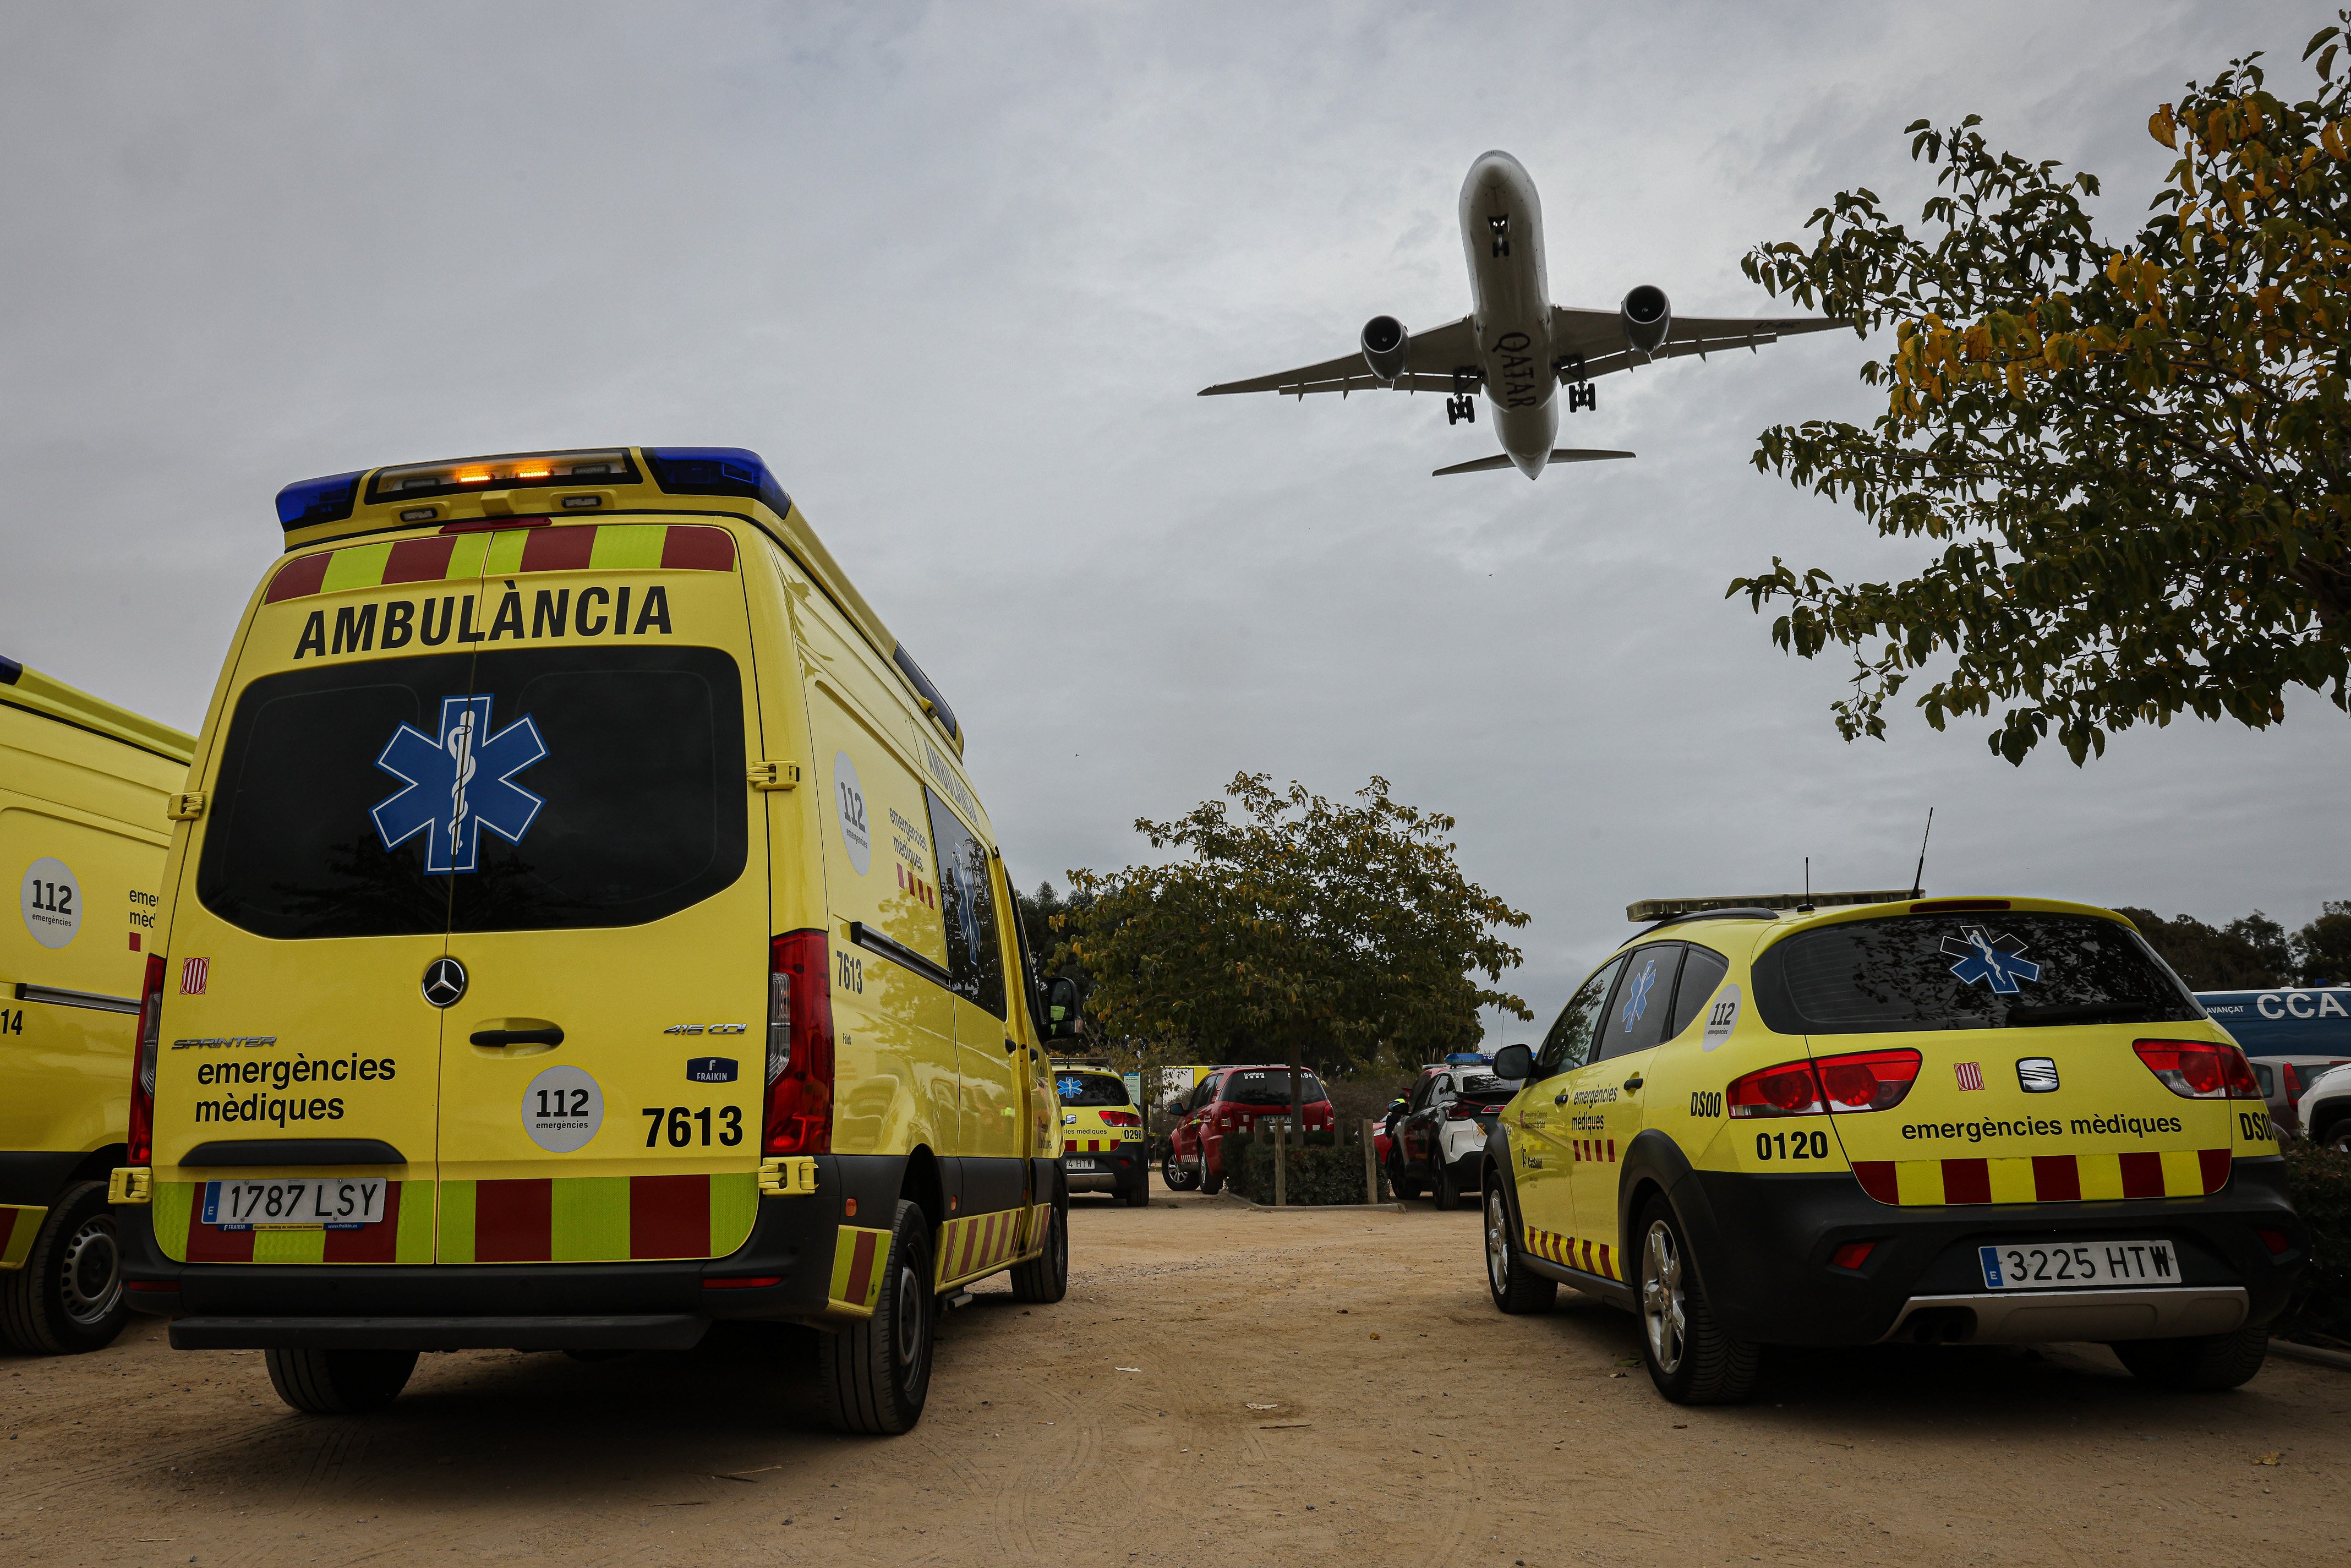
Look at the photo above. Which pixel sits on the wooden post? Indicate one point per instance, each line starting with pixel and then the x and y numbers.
pixel 1371 1165
pixel 1280 1164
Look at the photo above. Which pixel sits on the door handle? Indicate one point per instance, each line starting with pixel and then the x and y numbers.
pixel 1633 1081
pixel 494 1038
pixel 1559 1098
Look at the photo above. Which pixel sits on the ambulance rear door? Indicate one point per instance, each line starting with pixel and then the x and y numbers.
pixel 601 1067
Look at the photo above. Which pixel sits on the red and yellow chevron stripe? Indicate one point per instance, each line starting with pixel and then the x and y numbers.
pixel 19 1224
pixel 557 1219
pixel 2045 1179
pixel 1591 1257
pixel 982 1243
pixel 859 1257
pixel 598 546
pixel 1601 1151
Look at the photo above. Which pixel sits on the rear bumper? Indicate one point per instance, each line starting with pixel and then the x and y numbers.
pixel 1108 1170
pixel 783 1272
pixel 1763 1246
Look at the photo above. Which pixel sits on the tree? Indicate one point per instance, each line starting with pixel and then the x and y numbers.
pixel 1339 933
pixel 2248 953
pixel 2322 949
pixel 2131 458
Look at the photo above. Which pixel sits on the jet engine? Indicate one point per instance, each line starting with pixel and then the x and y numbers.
pixel 1384 344
pixel 1647 317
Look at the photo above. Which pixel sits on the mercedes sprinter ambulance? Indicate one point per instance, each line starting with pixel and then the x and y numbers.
pixel 586 931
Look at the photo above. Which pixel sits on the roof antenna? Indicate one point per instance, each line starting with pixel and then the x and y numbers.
pixel 1806 907
pixel 1919 880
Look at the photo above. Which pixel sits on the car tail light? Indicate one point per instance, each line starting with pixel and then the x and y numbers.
pixel 800 1045
pixel 1787 1090
pixel 2293 1084
pixel 1462 1111
pixel 141 1143
pixel 2273 1239
pixel 1868 1080
pixel 2200 1069
pixel 1121 1119
pixel 1853 1254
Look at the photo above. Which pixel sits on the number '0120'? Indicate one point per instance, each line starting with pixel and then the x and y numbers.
pixel 1792 1145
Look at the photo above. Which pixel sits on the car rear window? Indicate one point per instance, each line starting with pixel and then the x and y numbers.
pixel 1270 1086
pixel 1971 969
pixel 1488 1088
pixel 1082 1088
pixel 605 787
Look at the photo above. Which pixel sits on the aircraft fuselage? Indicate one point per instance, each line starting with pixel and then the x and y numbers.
pixel 1502 237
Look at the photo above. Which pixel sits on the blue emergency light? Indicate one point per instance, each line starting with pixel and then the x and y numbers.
pixel 309 501
pixel 715 471
pixel 1469 1058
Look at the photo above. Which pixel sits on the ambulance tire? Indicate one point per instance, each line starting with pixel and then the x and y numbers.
pixel 876 1374
pixel 339 1382
pixel 1516 1288
pixel 1045 1278
pixel 67 1298
pixel 2207 1363
pixel 1139 1195
pixel 1709 1365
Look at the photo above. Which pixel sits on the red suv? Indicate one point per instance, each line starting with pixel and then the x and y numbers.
pixel 1234 1100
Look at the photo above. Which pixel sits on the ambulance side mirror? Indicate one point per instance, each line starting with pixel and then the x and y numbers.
pixel 1514 1061
pixel 1060 1007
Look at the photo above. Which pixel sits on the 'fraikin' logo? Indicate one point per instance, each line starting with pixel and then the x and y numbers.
pixel 458 784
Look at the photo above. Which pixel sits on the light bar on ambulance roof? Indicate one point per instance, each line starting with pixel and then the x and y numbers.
pixel 717 471
pixel 306 502
pixel 510 471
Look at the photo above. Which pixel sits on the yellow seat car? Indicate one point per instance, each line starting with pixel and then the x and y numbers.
pixel 1986 1120
pixel 585 931
pixel 83 792
pixel 1102 1148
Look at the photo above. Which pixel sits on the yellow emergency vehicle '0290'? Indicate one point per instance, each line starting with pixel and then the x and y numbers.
pixel 83 792
pixel 1978 1119
pixel 1102 1147
pixel 586 931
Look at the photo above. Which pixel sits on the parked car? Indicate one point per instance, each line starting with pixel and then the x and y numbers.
pixel 2327 1109
pixel 1102 1134
pixel 1440 1141
pixel 1234 1100
pixel 2293 1034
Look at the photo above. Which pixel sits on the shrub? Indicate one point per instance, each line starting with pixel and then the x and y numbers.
pixel 1325 1171
pixel 2320 1182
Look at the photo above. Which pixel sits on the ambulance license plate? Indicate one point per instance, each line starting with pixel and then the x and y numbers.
pixel 1078 1164
pixel 305 1203
pixel 2043 1266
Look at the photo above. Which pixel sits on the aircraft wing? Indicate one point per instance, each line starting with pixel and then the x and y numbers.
pixel 1599 335
pixel 1429 359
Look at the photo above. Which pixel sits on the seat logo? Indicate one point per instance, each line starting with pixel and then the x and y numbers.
pixel 444 982
pixel 2037 1074
pixel 459 783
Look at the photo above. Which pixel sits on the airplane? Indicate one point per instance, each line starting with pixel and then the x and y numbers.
pixel 1517 346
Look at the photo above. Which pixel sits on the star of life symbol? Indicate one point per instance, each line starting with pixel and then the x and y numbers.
pixel 1985 958
pixel 1637 1002
pixel 458 783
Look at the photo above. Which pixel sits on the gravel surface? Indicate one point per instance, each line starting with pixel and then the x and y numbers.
pixel 1222 1385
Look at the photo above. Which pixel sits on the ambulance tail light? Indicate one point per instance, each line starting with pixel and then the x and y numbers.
pixel 1787 1090
pixel 142 1142
pixel 800 1045
pixel 1121 1119
pixel 2200 1069
pixel 1858 1080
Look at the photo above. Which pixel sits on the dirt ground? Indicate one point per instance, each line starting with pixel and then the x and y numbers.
pixel 1222 1385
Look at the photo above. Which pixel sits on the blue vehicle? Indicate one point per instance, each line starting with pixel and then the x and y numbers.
pixel 2291 1034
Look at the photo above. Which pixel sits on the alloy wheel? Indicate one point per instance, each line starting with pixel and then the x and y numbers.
pixel 1664 1304
pixel 1498 1242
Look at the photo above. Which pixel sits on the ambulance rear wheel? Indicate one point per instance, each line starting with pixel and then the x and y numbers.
pixel 1691 1358
pixel 339 1382
pixel 1045 1277
pixel 67 1297
pixel 876 1374
pixel 1516 1287
pixel 2205 1364
pixel 1139 1195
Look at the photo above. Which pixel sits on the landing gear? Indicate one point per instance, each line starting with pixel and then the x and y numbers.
pixel 1501 227
pixel 1460 408
pixel 1585 396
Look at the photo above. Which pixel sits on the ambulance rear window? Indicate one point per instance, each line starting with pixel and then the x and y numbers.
pixel 530 789
pixel 1991 969
pixel 1082 1088
pixel 1270 1087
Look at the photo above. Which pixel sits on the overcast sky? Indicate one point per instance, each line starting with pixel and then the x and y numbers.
pixel 957 271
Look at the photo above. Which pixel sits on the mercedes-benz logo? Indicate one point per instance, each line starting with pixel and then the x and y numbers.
pixel 444 982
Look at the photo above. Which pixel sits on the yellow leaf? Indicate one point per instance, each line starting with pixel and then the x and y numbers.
pixel 2160 125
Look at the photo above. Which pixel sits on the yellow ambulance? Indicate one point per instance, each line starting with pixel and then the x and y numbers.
pixel 83 787
pixel 586 930
pixel 1855 1118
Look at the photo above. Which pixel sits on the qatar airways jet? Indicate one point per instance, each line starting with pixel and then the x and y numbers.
pixel 1515 345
